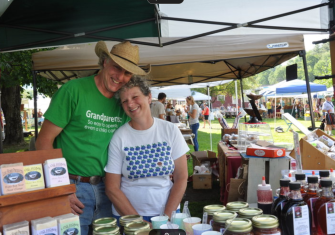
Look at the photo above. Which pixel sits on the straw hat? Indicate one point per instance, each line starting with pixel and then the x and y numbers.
pixel 124 54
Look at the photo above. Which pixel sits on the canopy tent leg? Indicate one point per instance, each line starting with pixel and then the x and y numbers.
pixel 236 97
pixel 210 123
pixel 1 145
pixel 239 73
pixel 303 55
pixel 35 104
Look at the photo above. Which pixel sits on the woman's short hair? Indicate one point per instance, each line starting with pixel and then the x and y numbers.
pixel 190 98
pixel 135 81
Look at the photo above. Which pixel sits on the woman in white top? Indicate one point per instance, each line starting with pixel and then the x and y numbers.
pixel 142 155
pixel 192 110
pixel 328 114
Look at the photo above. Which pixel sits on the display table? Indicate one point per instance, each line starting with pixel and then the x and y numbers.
pixel 229 162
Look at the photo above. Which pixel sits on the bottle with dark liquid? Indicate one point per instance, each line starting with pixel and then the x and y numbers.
pixel 295 216
pixel 324 209
pixel 279 203
pixel 311 197
pixel 301 178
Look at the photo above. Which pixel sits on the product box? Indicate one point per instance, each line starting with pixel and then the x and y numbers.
pixel 16 228
pixel 56 173
pixel 266 152
pixel 44 226
pixel 202 181
pixel 12 178
pixel 34 178
pixel 311 157
pixel 68 224
pixel 203 156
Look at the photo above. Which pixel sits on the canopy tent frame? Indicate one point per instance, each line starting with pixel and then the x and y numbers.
pixel 157 19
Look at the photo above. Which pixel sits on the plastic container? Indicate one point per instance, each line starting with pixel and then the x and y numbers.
pixel 264 197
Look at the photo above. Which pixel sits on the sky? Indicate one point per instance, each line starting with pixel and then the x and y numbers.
pixel 309 38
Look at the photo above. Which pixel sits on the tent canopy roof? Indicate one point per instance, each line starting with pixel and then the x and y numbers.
pixel 205 59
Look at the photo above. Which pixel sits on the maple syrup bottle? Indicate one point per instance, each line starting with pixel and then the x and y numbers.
pixel 295 216
pixel 301 178
pixel 311 196
pixel 324 209
pixel 284 190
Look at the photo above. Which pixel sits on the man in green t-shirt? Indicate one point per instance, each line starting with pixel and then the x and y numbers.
pixel 81 120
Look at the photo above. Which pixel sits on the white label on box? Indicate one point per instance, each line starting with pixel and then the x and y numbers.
pixel 301 220
pixel 330 217
pixel 260 153
pixel 280 152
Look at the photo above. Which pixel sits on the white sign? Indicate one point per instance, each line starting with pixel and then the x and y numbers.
pixel 301 220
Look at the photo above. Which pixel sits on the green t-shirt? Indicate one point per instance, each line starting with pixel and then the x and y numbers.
pixel 89 120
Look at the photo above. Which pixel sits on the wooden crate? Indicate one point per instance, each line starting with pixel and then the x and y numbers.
pixel 202 181
pixel 270 168
pixel 34 204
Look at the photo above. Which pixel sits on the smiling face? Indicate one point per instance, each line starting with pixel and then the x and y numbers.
pixel 114 76
pixel 136 104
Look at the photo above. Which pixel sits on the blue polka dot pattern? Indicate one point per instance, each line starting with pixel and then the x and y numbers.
pixel 149 160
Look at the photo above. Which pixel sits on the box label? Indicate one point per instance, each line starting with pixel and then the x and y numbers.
pixel 13 179
pixel 48 231
pixel 72 228
pixel 34 176
pixel 260 153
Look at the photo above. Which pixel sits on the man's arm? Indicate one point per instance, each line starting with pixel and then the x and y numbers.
pixel 45 140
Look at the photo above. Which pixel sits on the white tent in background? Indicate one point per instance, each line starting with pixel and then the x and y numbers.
pixel 171 92
pixel 199 96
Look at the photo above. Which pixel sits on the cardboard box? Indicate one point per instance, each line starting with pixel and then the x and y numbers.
pixel 311 157
pixel 228 131
pixel 266 152
pixel 203 156
pixel 202 181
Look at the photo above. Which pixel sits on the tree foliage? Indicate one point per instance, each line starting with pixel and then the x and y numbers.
pixel 318 64
pixel 16 73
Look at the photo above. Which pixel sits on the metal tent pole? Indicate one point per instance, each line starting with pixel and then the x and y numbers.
pixel 236 98
pixel 210 123
pixel 239 74
pixel 35 104
pixel 303 55
pixel 1 145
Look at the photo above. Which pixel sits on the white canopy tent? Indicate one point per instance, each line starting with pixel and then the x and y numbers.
pixel 171 92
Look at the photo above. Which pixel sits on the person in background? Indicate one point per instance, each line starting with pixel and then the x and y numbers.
pixel 269 108
pixel 157 107
pixel 81 120
pixel 328 114
pixel 205 112
pixel 192 110
pixel 142 187
pixel 40 117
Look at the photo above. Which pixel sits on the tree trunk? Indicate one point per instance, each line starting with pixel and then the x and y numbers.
pixel 11 106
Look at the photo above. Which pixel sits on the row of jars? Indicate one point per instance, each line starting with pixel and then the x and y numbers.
pixel 248 221
pixel 129 225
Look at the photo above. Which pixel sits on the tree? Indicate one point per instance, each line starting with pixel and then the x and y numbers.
pixel 16 72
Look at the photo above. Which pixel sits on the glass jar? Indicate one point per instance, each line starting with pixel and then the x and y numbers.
pixel 236 206
pixel 266 224
pixel 219 220
pixel 239 226
pixel 248 213
pixel 106 230
pixel 142 232
pixel 128 219
pixel 104 222
pixel 211 209
pixel 131 228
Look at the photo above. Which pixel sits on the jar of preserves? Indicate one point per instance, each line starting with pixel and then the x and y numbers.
pixel 236 206
pixel 128 219
pixel 239 226
pixel 219 220
pixel 104 222
pixel 211 209
pixel 131 228
pixel 248 213
pixel 142 232
pixel 106 230
pixel 266 224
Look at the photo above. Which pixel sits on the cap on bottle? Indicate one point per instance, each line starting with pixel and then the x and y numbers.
pixel 300 176
pixel 324 173
pixel 312 179
pixel 295 185
pixel 326 183
pixel 284 182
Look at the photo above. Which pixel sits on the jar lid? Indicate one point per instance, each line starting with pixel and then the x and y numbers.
pixel 106 230
pixel 235 206
pixel 107 221
pixel 239 225
pixel 142 232
pixel 130 218
pixel 210 209
pixel 135 226
pixel 265 221
pixel 249 212
pixel 223 215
